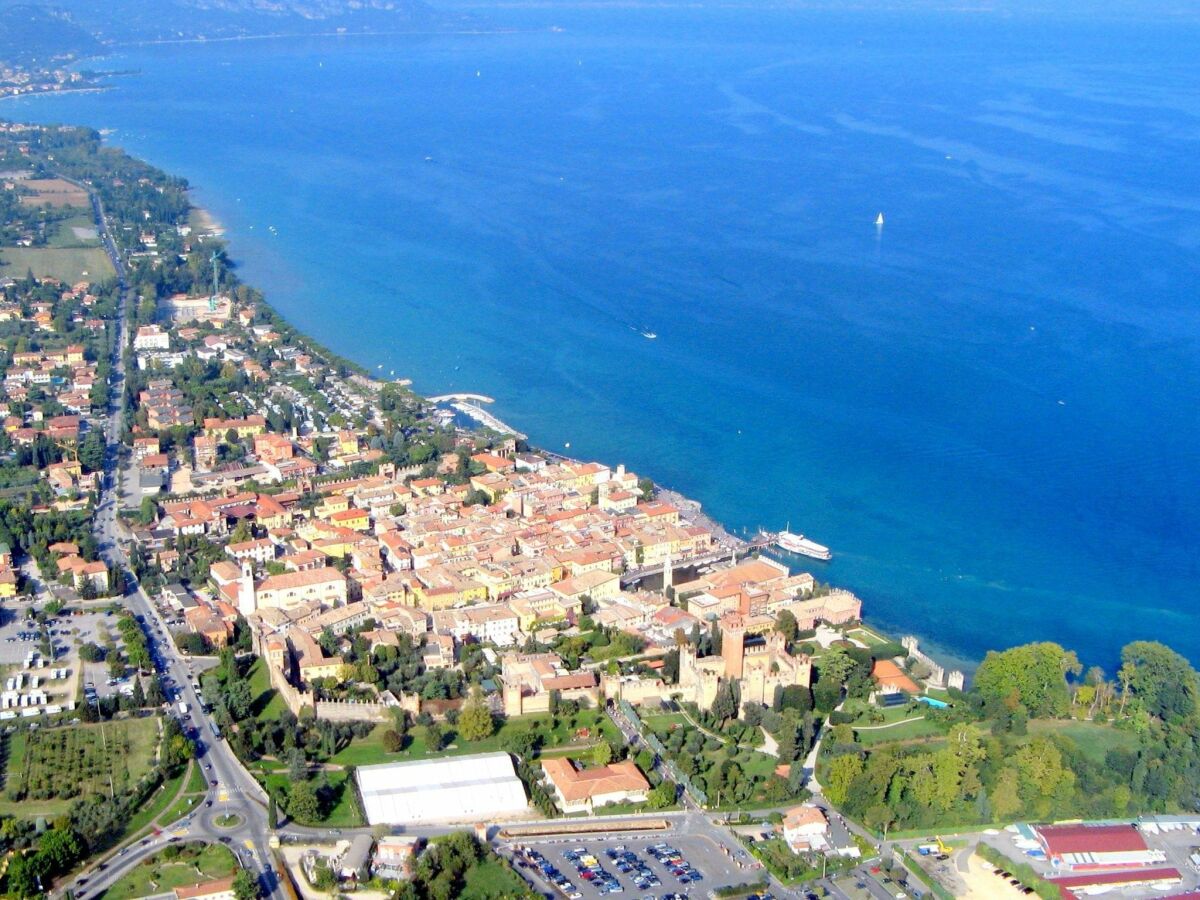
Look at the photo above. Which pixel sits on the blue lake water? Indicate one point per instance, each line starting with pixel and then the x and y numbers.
pixel 987 408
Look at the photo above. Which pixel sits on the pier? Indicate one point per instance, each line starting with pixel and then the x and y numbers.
pixel 485 418
pixel 470 398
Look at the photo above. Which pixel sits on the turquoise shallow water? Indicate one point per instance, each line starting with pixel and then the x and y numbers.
pixel 987 408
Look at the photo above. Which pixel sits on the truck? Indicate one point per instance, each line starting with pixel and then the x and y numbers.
pixel 183 708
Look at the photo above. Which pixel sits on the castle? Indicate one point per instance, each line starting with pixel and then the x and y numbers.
pixel 753 654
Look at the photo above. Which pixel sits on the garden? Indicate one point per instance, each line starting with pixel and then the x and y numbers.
pixel 48 768
pixel 174 866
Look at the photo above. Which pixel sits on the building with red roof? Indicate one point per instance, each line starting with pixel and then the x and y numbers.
pixel 1096 848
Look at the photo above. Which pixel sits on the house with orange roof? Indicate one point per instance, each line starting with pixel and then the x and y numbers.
pixel 583 790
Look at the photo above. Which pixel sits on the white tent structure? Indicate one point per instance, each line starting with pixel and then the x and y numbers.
pixel 482 786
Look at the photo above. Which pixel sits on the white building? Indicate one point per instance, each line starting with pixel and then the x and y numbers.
pixel 492 623
pixel 478 787
pixel 151 337
pixel 805 828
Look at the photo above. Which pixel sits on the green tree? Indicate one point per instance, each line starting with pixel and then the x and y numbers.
pixel 245 886
pixel 663 795
pixel 1034 675
pixel 475 720
pixel 147 512
pixel 835 665
pixel 1161 679
pixel 303 804
pixel 842 771
pixel 786 625
pixel 1005 795
pixel 602 754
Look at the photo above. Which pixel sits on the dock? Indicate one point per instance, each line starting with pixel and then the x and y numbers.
pixel 724 554
pixel 485 418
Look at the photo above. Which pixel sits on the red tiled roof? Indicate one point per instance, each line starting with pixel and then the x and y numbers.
pixel 1133 876
pixel 1062 839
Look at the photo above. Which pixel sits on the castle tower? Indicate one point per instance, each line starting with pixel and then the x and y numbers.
pixel 733 645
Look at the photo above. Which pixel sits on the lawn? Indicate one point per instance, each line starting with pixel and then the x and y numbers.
pixel 909 731
pixel 663 723
pixel 48 769
pixel 192 797
pixel 66 235
pixel 174 867
pixel 867 636
pixel 491 878
pixel 267 704
pixel 157 805
pixel 67 264
pixel 1093 740
pixel 344 812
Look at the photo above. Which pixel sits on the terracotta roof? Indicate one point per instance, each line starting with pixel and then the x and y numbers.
pixel 1061 839
pixel 204 888
pixel 582 784
pixel 304 578
pixel 799 816
pixel 888 674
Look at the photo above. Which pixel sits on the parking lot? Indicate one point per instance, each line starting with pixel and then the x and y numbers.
pixel 661 865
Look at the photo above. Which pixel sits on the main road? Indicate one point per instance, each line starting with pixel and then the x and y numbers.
pixel 232 790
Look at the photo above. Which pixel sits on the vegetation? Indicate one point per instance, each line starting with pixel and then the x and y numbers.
pixel 457 865
pixel 63 763
pixel 174 866
pixel 1035 738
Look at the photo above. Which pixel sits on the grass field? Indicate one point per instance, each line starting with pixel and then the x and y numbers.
pixel 48 769
pixel 1093 740
pixel 67 236
pixel 157 804
pixel 174 867
pixel 664 723
pixel 67 264
pixel 344 811
pixel 192 796
pixel 267 703
pixel 492 879
pixel 909 731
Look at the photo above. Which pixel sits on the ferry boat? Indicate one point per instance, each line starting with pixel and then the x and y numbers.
pixel 798 543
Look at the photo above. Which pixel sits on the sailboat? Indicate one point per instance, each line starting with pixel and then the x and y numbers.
pixel 879 220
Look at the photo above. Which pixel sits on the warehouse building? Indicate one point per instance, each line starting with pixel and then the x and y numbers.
pixel 1096 848
pixel 479 787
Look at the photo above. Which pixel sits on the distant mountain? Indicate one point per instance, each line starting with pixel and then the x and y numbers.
pixel 44 30
pixel 31 33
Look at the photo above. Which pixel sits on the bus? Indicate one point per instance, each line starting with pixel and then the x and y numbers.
pixel 215 730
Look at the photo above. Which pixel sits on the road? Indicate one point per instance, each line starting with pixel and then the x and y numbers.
pixel 232 790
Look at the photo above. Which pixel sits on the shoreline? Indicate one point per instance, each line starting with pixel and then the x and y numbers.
pixel 690 508
pixel 203 219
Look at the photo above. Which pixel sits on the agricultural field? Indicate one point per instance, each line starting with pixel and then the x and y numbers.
pixel 46 770
pixel 54 191
pixel 172 867
pixel 67 264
